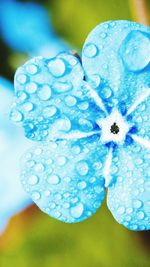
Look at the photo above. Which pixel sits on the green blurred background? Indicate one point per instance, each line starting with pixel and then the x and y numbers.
pixel 34 239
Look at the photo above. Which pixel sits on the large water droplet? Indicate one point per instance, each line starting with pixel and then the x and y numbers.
pixel 70 101
pixel 39 167
pixel 61 87
pixel 28 106
pixel 33 179
pixel 57 67
pixel 137 204
pixel 44 93
pixel 77 211
pixel 31 69
pixel 16 116
pixel 90 50
pixel 21 78
pixel 53 179
pixel 49 111
pixel 135 50
pixel 31 87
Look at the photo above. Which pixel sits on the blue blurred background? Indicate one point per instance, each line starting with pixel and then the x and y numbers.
pixel 27 236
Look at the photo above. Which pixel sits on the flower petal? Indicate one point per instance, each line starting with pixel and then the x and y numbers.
pixel 52 98
pixel 117 54
pixel 129 197
pixel 140 117
pixel 65 179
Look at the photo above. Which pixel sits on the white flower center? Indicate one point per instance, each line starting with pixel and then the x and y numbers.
pixel 113 128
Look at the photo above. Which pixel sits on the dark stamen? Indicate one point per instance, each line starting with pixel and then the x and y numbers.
pixel 114 128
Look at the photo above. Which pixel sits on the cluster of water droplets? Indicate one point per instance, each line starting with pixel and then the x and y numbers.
pixel 51 96
pixel 65 178
pixel 128 199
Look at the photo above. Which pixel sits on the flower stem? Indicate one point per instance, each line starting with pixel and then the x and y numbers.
pixel 139 11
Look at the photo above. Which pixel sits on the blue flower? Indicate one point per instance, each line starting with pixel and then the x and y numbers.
pixel 12 145
pixel 89 119
pixel 25 27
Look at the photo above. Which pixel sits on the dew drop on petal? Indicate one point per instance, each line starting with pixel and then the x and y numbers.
pixel 137 204
pixel 44 93
pixel 90 50
pixel 36 195
pixel 61 87
pixel 22 78
pixel 53 179
pixel 135 51
pixel 57 67
pixel 33 179
pixel 31 87
pixel 31 69
pixel 82 168
pixel 49 111
pixel 16 116
pixel 77 211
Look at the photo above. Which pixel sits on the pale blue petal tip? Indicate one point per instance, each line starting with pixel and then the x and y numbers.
pixel 65 178
pixel 128 199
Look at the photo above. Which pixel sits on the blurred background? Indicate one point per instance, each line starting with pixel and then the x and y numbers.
pixel 31 238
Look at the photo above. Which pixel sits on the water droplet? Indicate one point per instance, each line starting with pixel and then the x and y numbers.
pixel 82 168
pixel 106 92
pixel 70 101
pixel 83 106
pixel 36 195
pixel 63 124
pixel 28 106
pixel 53 179
pixel 90 50
pixel 21 78
pixel 61 87
pixel 77 211
pixel 16 116
pixel 39 167
pixel 121 210
pixel 73 61
pixel 31 87
pixel 94 80
pixel 103 35
pixel 57 67
pixel 49 111
pixel 140 215
pixel 33 179
pixel 47 193
pixel 76 150
pixel 137 204
pixel 38 151
pixel 45 93
pixel 135 50
pixel 129 210
pixel 82 185
pixel 61 160
pixel 67 179
pixel 31 69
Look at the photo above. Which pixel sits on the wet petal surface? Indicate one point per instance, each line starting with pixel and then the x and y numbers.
pixel 116 53
pixel 65 179
pixel 129 197
pixel 52 98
